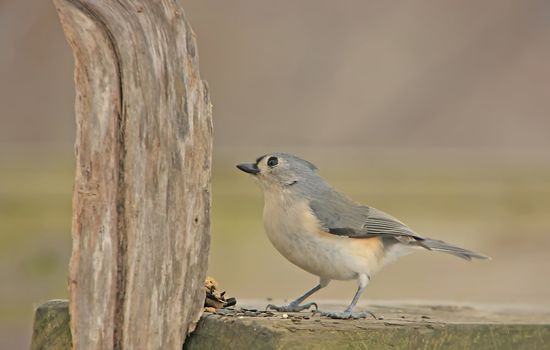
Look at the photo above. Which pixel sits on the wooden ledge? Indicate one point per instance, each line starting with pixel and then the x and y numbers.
pixel 400 325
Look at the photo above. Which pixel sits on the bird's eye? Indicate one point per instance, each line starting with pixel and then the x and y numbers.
pixel 272 161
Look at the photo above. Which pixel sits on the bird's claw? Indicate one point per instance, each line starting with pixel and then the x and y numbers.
pixel 346 315
pixel 292 307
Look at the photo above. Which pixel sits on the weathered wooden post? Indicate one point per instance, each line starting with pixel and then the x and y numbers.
pixel 141 199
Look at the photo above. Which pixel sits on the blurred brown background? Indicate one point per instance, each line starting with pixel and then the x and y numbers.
pixel 436 111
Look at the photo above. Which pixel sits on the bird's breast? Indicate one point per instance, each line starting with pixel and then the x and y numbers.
pixel 297 234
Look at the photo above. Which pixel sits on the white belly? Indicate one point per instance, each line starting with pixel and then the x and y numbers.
pixel 297 235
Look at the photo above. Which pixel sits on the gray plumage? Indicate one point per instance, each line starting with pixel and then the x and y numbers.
pixel 341 216
pixel 327 234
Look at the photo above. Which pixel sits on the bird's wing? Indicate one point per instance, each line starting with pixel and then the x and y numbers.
pixel 342 217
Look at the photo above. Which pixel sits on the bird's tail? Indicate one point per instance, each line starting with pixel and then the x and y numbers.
pixel 440 246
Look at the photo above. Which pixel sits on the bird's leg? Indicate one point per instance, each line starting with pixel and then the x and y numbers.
pixel 348 313
pixel 295 306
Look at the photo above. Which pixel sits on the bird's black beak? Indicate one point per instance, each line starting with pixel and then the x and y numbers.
pixel 250 168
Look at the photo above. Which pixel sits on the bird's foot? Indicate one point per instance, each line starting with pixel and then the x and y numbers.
pixel 346 315
pixel 292 307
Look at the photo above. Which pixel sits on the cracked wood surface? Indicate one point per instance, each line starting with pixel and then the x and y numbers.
pixel 141 202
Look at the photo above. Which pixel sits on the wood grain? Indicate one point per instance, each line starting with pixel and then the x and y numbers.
pixel 141 203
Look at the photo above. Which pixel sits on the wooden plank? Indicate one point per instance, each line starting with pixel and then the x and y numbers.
pixel 400 325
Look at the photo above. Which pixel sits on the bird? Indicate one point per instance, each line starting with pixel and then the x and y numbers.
pixel 327 234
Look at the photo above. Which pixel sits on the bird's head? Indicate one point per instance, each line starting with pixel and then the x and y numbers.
pixel 281 170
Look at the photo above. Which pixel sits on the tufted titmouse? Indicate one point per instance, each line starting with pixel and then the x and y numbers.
pixel 325 233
